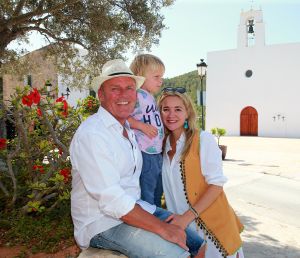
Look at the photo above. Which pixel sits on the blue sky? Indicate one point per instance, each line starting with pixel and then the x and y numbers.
pixel 200 26
pixel 196 27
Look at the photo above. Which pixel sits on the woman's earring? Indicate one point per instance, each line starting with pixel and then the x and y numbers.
pixel 186 124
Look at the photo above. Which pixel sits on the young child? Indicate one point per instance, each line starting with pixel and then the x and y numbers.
pixel 146 122
pixel 149 131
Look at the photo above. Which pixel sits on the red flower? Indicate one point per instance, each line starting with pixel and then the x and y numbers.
pixel 64 113
pixel 2 143
pixel 35 96
pixel 39 168
pixel 65 172
pixel 64 107
pixel 60 99
pixel 39 112
pixel 27 100
pixel 90 104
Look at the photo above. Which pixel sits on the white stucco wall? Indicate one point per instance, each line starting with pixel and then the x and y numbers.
pixel 63 83
pixel 75 94
pixel 273 89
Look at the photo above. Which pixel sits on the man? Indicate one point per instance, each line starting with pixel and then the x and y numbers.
pixel 106 165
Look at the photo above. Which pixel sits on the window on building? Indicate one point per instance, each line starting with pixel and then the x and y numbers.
pixel 93 93
pixel 28 80
pixel 248 73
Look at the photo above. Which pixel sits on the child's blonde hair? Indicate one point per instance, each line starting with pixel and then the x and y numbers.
pixel 142 63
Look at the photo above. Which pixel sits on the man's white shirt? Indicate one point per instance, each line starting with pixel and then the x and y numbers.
pixel 105 176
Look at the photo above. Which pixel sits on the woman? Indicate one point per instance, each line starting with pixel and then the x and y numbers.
pixel 193 178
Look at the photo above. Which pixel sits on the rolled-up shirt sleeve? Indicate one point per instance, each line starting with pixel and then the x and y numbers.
pixel 95 163
pixel 211 160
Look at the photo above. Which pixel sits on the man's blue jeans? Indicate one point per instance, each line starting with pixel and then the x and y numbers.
pixel 193 240
pixel 137 243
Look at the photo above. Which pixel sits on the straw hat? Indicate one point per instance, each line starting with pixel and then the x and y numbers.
pixel 115 68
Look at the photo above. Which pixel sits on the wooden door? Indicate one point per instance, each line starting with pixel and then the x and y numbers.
pixel 249 122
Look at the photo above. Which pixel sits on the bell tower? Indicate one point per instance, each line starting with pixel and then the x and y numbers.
pixel 251 30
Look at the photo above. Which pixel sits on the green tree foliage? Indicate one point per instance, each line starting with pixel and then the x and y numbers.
pixel 190 81
pixel 106 29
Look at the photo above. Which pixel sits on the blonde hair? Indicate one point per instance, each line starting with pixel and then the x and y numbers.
pixel 191 113
pixel 142 63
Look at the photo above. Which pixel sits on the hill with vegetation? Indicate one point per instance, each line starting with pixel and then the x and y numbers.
pixel 190 81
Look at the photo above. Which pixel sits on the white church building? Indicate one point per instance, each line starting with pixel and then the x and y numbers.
pixel 254 90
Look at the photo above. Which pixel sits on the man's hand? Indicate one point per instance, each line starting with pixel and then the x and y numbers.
pixel 174 234
pixel 137 217
pixel 183 221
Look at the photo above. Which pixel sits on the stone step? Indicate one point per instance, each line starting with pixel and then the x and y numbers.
pixel 100 253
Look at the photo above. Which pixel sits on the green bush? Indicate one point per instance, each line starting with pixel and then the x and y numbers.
pixel 218 132
pixel 35 168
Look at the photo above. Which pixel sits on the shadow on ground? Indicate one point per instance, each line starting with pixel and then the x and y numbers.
pixel 262 245
pixel 234 160
pixel 260 250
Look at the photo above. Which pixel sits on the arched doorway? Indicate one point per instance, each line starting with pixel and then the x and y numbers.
pixel 249 122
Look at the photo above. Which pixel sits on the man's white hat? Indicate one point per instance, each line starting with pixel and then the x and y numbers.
pixel 115 68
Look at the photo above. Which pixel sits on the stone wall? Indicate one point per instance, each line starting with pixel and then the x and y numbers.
pixel 40 67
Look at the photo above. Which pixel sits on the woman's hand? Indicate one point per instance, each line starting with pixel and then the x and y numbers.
pixel 180 220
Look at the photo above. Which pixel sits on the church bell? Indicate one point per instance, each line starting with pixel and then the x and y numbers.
pixel 250 27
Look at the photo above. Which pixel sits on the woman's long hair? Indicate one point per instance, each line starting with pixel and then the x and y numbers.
pixel 190 131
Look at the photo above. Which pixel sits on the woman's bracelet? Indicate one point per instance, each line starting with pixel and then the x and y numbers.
pixel 196 214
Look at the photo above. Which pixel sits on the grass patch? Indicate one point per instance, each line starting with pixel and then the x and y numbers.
pixel 48 232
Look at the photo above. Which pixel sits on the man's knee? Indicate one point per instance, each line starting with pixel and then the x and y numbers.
pixel 136 242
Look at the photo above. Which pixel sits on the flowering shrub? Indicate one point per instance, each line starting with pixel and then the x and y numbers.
pixel 62 106
pixel 37 170
pixel 88 106
pixel 33 97
pixel 2 143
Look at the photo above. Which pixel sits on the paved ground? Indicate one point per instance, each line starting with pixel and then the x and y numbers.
pixel 257 167
pixel 276 156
